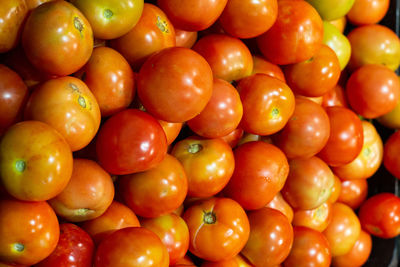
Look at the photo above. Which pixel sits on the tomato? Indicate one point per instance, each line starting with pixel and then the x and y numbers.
pixel 338 42
pixel 151 34
pixel 218 228
pixel 306 132
pixel 189 15
pixel 377 9
pixel 57 38
pixel 331 10
pixel 74 248
pixel 260 65
pixel 171 130
pixel 184 262
pixel 279 203
pixel 380 215
pixel 358 255
pixel 309 183
pixel 374 44
pixel 373 90
pixel 229 57
pixel 368 160
pixel 29 231
pixel 324 67
pixel 208 164
pixel 173 232
pixel 119 153
pixel 297 23
pixel 390 154
pixel 35 161
pixel 175 94
pixel 12 16
pixel 260 172
pixel 310 248
pixel 248 19
pixel 353 192
pixel 222 113
pixel 391 119
pixel 233 137
pixel 132 247
pixel 343 230
pixel 271 237
pixel 13 96
pixel 110 79
pixel 336 190
pixel 69 106
pixel 268 103
pixel 110 19
pixel 185 38
pixel 32 4
pixel 346 137
pixel 117 216
pixel 335 97
pixel 339 23
pixel 317 219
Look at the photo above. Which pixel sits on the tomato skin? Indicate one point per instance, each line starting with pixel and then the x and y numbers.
pixel 32 4
pixel 260 65
pixel 377 9
pixel 69 106
pixel 29 231
pixel 390 154
pixel 13 96
pixel 220 220
pixel 175 94
pixel 35 161
pixel 208 164
pixel 48 47
pixel 233 137
pixel 74 248
pixel 336 190
pixel 185 38
pixel 119 153
pixel 346 137
pixel 353 193
pixel 317 219
pixel 310 248
pixel 132 247
pixel 254 161
pixel 268 103
pixel 171 130
pixel 339 43
pixel 335 97
pixel 297 23
pixel 379 215
pixel 391 119
pixel 271 237
pixel 279 203
pixel 185 262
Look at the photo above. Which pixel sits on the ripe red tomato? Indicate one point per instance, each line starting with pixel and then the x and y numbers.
pixel 317 219
pixel 260 65
pixel 74 248
pixel 171 130
pixel 35 161
pixel 175 94
pixel 132 247
pixel 29 231
pixel 391 158
pixel 271 237
pixel 335 97
pixel 268 103
pixel 260 172
pixel 297 23
pixel 57 38
pixel 377 9
pixel 185 38
pixel 208 164
pixel 119 153
pixel 279 203
pixel 353 192
pixel 218 228
pixel 380 215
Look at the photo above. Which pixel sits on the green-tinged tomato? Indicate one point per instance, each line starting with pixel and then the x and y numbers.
pixel 332 9
pixel 338 42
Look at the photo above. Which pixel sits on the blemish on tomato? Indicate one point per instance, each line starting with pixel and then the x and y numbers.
pixel 82 102
pixel 107 13
pixel 209 217
pixel 162 25
pixel 78 24
pixel 20 165
pixel 18 247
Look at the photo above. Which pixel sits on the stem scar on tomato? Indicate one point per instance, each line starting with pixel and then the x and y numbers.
pixel 209 217
pixel 107 13
pixel 20 165
pixel 82 101
pixel 274 113
pixel 194 148
pixel 18 247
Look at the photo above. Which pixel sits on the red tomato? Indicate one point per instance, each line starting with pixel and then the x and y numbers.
pixel 380 215
pixel 391 158
pixel 268 103
pixel 279 203
pixel 317 219
pixel 248 19
pixel 110 79
pixel 306 132
pixel 151 34
pixel 260 172
pixel 373 90
pixel 185 262
pixel 175 94
pixel 35 161
pixel 69 106
pixel 208 164
pixel 29 231
pixel 119 153
pixel 271 237
pixel 229 57
pixel 74 248
pixel 310 248
pixel 185 38
pixel 335 97
pixel 171 130
pixel 346 137
pixel 57 38
pixel 189 15
pixel 297 23
pixel 233 137
pixel 132 247
pixel 222 113
pixel 13 96
pixel 260 65
pixel 353 192
pixel 173 232
pixel 377 9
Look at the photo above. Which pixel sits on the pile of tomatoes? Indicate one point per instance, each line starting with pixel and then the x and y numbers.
pixel 229 133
